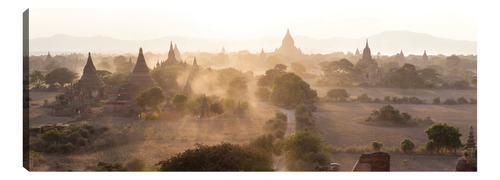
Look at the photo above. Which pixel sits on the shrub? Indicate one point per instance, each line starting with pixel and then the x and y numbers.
pixel 462 100
pixel 337 94
pixel 52 136
pixel 364 98
pixel 436 101
pixel 377 145
pixel 407 146
pixel 221 157
pixel 450 102
pixel 443 136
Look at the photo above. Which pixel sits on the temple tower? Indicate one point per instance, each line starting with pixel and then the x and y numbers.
pixel 368 66
pixel 90 81
pixel 288 47
pixel 171 60
pixel 139 80
pixel 470 141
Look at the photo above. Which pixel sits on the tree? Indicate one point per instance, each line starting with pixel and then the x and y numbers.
pixel 337 93
pixel 221 157
pixel 290 89
pixel 267 79
pixel 166 77
pixel 405 77
pixel 216 108
pixel 116 78
pixel 343 72
pixel 179 101
pixel 376 145
pixel 60 76
pixel 298 68
pixel 304 151
pixel 151 98
pixel 407 145
pixel 444 136
pixel 36 79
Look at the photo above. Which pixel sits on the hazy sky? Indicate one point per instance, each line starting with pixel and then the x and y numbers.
pixel 253 19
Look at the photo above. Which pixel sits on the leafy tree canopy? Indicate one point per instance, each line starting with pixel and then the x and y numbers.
pixel 60 76
pixel 290 89
pixel 221 157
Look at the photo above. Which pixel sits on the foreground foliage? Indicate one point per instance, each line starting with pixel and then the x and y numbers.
pixel 221 157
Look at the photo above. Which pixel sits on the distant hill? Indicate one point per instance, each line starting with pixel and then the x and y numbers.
pixel 387 43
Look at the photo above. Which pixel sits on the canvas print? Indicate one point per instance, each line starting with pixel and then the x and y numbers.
pixel 249 89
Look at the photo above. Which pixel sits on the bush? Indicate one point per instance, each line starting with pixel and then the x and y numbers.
pixel 179 101
pixel 436 101
pixel 364 98
pixel 221 157
pixel 407 146
pixel 389 114
pixel 443 136
pixel 337 94
pixel 450 102
pixel 462 100
pixel 376 145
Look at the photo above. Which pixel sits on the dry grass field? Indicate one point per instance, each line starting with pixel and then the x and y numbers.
pixel 340 123
pixel 149 141
pixel 153 141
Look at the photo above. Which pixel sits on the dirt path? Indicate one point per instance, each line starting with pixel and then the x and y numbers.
pixel 279 161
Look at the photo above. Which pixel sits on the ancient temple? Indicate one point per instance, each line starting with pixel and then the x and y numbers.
pixel 204 108
pixel 470 141
pixel 79 97
pixel 357 52
pixel 400 57
pixel 177 53
pixel 171 60
pixel 368 66
pixel 288 47
pixel 139 80
pixel 262 55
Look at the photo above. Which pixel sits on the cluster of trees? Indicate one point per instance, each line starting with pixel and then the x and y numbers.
pixel 74 138
pixel 460 100
pixel 56 78
pixel 446 73
pixel 283 88
pixel 389 114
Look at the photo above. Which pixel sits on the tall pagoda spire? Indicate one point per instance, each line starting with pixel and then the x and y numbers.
pixel 89 78
pixel 470 140
pixel 139 80
pixel 367 54
pixel 424 57
pixel 171 60
pixel 141 65
pixel 288 40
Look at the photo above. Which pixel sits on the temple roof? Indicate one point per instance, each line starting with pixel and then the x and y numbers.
pixel 171 60
pixel 89 78
pixel 140 65
pixel 367 54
